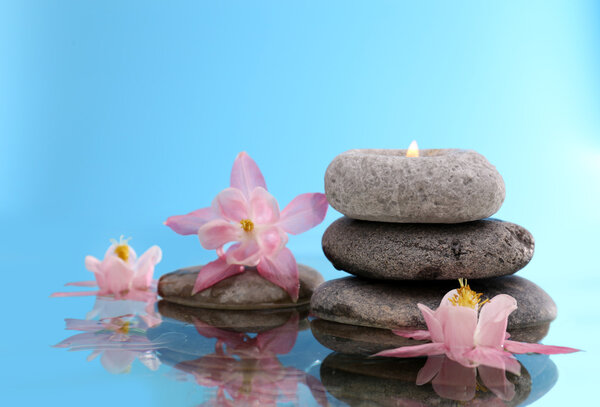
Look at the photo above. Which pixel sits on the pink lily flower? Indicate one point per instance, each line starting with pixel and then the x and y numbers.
pixel 457 331
pixel 120 272
pixel 247 214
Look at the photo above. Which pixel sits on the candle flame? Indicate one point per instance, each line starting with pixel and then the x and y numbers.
pixel 413 149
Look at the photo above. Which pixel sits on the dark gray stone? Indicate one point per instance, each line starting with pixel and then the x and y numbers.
pixel 440 186
pixel 362 340
pixel 395 251
pixel 389 305
pixel 245 291
pixel 361 381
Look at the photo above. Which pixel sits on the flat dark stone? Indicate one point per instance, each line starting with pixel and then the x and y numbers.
pixel 387 304
pixel 362 381
pixel 362 340
pixel 395 251
pixel 245 291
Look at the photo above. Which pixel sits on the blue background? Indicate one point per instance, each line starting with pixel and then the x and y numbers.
pixel 115 115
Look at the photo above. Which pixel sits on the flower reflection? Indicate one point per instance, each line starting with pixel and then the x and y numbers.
pixel 245 369
pixel 116 330
pixel 454 381
pixel 119 340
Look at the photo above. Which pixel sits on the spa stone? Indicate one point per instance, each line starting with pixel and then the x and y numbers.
pixel 440 186
pixel 395 251
pixel 385 304
pixel 244 291
pixel 362 340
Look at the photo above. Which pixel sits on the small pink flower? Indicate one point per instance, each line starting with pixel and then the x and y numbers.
pixel 120 272
pixel 457 331
pixel 248 215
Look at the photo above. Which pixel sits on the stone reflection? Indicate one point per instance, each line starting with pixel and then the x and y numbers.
pixel 355 378
pixel 238 354
pixel 116 330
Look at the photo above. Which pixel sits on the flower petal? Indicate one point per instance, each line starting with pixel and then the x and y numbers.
pixel 218 232
pixel 433 324
pixel 417 334
pixel 264 208
pixel 190 223
pixel 495 380
pixel 494 357
pixel 118 361
pixel 523 347
pixel 271 239
pixel 92 263
pixel 247 253
pixel 304 212
pixel 426 349
pixel 282 270
pixel 446 300
pixel 231 204
pixel 214 272
pixel 459 324
pixel 455 381
pixel 430 369
pixel 116 276
pixel 279 340
pixel 245 174
pixel 493 318
pixel 145 268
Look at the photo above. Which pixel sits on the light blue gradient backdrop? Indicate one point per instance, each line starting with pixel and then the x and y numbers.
pixel 115 115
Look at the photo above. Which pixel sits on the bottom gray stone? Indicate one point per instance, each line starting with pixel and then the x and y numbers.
pixel 390 305
pixel 362 340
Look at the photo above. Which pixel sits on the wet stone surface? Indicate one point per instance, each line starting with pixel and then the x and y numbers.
pixel 245 291
pixel 387 304
pixel 394 251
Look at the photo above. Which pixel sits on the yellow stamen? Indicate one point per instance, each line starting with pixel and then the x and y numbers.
pixel 247 225
pixel 122 249
pixel 466 297
pixel 124 329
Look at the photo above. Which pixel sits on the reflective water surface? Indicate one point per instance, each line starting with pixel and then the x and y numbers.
pixel 282 357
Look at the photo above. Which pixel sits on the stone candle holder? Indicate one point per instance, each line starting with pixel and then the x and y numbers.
pixel 439 186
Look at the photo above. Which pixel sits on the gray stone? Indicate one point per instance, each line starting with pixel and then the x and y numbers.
pixel 440 186
pixel 377 304
pixel 252 321
pixel 395 251
pixel 361 381
pixel 245 291
pixel 362 340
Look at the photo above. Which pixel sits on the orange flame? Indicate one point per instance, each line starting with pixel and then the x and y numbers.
pixel 413 149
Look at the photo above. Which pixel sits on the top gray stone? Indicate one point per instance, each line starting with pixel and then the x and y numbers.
pixel 440 186
pixel 245 291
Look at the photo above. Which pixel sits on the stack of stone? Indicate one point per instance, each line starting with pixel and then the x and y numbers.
pixel 412 227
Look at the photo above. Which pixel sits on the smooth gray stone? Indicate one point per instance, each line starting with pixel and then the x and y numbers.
pixel 245 291
pixel 362 340
pixel 440 186
pixel 390 305
pixel 363 381
pixel 395 251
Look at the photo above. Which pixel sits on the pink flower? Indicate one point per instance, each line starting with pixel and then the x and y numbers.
pixel 457 331
pixel 120 272
pixel 247 214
